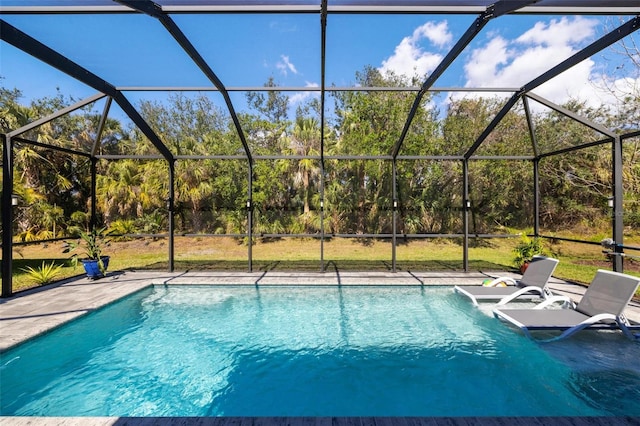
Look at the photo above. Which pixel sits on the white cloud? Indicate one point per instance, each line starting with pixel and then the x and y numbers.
pixel 504 63
pixel 300 97
pixel 513 63
pixel 283 26
pixel 410 59
pixel 438 34
pixel 285 65
pixel 484 63
pixel 559 33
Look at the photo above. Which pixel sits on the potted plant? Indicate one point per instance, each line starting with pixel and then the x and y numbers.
pixel 525 250
pixel 94 262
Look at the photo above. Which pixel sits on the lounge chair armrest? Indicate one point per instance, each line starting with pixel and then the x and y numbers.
pixel 518 293
pixel 495 282
pixel 566 302
pixel 584 324
pixel 464 292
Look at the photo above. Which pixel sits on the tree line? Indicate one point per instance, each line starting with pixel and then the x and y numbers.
pixel 54 186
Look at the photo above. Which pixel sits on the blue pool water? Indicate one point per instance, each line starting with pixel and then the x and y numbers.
pixel 309 351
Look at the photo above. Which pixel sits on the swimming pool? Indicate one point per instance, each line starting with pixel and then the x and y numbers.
pixel 312 351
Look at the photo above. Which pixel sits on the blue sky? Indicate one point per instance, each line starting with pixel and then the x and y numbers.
pixel 245 50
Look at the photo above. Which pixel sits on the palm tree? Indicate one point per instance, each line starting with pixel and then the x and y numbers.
pixel 51 216
pixel 306 142
pixel 193 186
pixel 119 190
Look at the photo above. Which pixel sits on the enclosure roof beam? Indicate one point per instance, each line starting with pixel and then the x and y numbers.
pixel 595 47
pixel 575 148
pixel 493 11
pixel 493 124
pixel 589 7
pixel 313 157
pixel 313 89
pixel 501 157
pixel 531 127
pixel 33 47
pixel 51 147
pixel 152 9
pixel 57 114
pixel 576 7
pixel 103 122
pixel 571 114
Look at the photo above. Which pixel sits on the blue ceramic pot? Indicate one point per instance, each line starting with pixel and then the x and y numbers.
pixel 92 269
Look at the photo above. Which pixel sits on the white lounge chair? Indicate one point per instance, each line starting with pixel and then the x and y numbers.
pixel 533 284
pixel 601 307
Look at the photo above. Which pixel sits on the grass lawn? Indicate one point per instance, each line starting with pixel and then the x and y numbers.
pixel 578 262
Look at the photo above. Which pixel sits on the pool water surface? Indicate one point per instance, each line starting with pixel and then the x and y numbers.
pixel 313 351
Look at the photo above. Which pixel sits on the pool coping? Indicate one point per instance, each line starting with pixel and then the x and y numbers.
pixel 31 313
pixel 321 421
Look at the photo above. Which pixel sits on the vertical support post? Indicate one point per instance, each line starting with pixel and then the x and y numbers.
pixel 171 209
pixel 94 180
pixel 617 221
pixel 394 197
pixel 465 215
pixel 250 218
pixel 323 49
pixel 536 197
pixel 322 269
pixel 7 217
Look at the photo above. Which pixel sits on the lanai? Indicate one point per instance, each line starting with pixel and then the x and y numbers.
pixel 166 13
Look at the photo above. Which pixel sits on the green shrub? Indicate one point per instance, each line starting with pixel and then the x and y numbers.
pixel 527 248
pixel 43 274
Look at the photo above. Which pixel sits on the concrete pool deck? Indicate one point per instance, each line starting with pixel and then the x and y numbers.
pixel 34 312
